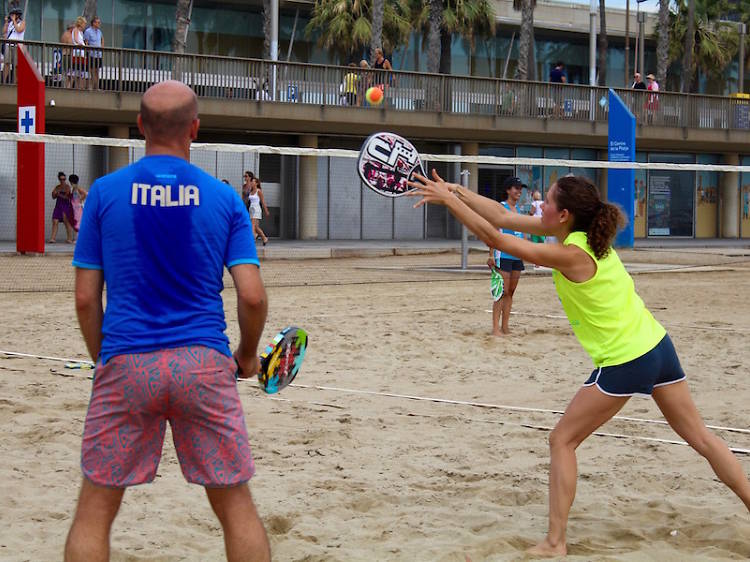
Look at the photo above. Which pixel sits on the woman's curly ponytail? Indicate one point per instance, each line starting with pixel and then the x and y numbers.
pixel 599 220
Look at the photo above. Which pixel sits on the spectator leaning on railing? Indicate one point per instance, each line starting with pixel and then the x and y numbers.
pixel 80 66
pixel 638 82
pixel 349 85
pixel 93 38
pixel 13 30
pixel 652 102
pixel 65 67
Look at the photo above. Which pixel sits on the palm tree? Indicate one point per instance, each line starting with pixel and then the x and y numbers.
pixel 182 17
pixel 602 63
pixel 687 60
pixel 715 43
pixel 468 19
pixel 662 43
pixel 526 60
pixel 267 29
pixel 345 26
pixel 434 43
pixel 378 13
pixel 89 10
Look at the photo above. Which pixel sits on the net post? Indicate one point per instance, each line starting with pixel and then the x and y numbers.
pixel 30 157
pixel 464 231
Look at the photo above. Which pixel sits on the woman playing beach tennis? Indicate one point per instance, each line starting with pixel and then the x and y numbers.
pixel 630 349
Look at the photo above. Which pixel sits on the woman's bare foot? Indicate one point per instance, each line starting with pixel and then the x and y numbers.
pixel 546 549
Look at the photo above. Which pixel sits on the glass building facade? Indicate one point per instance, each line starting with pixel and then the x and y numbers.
pixel 235 29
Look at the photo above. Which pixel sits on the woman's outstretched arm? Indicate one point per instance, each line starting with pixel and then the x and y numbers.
pixel 571 261
pixel 492 211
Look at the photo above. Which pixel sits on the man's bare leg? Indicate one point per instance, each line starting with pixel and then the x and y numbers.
pixel 244 535
pixel 88 538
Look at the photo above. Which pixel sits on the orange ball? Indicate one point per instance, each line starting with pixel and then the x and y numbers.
pixel 374 95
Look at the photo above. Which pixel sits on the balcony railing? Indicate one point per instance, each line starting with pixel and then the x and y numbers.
pixel 261 81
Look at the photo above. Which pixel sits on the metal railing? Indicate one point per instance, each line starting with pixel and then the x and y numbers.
pixel 262 81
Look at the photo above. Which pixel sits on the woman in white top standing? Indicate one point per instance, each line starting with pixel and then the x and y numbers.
pixel 255 202
pixel 13 30
pixel 81 71
pixel 536 211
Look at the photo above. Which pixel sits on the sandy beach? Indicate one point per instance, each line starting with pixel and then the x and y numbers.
pixel 411 434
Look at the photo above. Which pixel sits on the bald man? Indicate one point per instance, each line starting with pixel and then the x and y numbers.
pixel 159 233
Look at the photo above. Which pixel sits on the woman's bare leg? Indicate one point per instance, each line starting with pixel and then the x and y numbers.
pixel 677 405
pixel 257 231
pixel 510 279
pixel 497 312
pixel 588 410
pixel 53 234
pixel 68 229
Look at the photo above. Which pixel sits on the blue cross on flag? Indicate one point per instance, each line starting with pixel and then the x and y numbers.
pixel 27 119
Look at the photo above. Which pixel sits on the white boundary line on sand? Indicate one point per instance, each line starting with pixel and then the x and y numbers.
pixel 737 450
pixel 455 402
pixel 495 406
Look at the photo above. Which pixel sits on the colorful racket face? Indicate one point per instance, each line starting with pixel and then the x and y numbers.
pixel 386 162
pixel 281 360
pixel 496 285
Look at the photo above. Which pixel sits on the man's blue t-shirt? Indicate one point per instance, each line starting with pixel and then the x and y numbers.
pixel 162 231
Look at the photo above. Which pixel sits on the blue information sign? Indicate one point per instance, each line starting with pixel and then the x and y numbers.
pixel 621 148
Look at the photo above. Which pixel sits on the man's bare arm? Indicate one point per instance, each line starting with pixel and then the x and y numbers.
pixel 89 286
pixel 252 308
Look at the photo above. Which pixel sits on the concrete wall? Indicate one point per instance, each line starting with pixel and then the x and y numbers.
pixel 574 17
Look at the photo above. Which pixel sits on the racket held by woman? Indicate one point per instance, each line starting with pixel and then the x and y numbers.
pixel 386 162
pixel 497 286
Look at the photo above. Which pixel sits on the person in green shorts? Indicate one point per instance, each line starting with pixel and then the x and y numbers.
pixel 631 351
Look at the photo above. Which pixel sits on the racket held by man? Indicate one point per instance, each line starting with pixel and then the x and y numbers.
pixel 281 360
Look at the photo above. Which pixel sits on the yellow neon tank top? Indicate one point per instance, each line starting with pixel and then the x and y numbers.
pixel 607 315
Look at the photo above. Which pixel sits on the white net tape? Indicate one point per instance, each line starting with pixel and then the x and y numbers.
pixel 342 153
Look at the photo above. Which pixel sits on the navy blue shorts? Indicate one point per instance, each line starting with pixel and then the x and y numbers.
pixel 510 265
pixel 658 367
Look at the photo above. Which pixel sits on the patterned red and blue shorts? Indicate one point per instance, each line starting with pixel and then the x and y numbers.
pixel 133 397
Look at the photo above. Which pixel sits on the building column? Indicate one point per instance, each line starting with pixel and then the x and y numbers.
pixel 729 226
pixel 471 149
pixel 308 190
pixel 118 156
pixel 603 185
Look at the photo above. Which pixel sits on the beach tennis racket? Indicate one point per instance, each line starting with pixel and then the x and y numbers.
pixel 497 286
pixel 281 360
pixel 386 162
pixel 84 365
